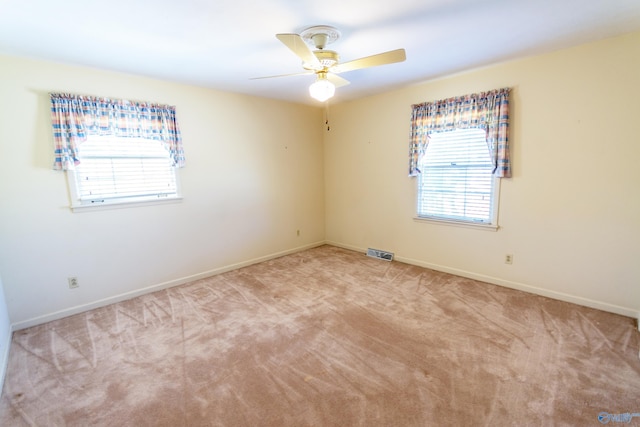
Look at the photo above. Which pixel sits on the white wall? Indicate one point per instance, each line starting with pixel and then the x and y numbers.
pixel 254 176
pixel 571 213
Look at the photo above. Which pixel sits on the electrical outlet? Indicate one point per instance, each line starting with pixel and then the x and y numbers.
pixel 508 259
pixel 73 282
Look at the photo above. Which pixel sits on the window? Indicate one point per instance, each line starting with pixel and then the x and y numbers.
pixel 119 170
pixel 116 151
pixel 456 182
pixel 459 149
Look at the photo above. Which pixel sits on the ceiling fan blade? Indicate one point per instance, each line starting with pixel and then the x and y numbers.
pixel 390 57
pixel 297 45
pixel 305 73
pixel 337 80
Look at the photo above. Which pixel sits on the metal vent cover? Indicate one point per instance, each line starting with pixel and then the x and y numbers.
pixel 377 253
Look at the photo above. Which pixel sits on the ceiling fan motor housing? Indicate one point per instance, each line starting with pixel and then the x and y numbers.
pixel 327 58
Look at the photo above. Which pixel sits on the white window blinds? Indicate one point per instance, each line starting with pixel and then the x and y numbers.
pixel 456 182
pixel 119 169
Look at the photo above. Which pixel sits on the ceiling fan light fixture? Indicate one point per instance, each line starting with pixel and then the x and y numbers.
pixel 322 89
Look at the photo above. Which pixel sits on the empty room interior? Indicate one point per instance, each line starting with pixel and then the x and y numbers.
pixel 250 295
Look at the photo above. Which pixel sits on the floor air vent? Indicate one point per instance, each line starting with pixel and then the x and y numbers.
pixel 376 253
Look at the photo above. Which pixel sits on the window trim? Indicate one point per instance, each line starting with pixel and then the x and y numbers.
pixel 76 205
pixel 122 204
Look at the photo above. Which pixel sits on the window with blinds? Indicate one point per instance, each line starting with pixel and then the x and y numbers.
pixel 456 181
pixel 118 170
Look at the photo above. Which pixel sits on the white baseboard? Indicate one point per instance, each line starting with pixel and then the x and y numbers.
pixel 4 358
pixel 160 286
pixel 624 311
pixel 611 308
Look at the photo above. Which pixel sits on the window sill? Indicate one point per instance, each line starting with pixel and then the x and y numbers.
pixel 122 205
pixel 487 227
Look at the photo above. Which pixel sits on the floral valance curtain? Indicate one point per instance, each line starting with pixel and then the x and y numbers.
pixel 75 117
pixel 485 110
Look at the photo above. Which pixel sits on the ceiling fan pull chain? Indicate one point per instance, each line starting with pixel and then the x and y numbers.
pixel 326 116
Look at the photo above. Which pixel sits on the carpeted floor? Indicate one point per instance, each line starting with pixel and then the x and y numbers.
pixel 327 337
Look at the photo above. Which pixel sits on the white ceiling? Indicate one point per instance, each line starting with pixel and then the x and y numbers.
pixel 223 43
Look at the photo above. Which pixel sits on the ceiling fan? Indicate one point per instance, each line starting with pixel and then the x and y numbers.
pixel 325 63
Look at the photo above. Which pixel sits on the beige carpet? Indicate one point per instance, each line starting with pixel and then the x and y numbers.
pixel 326 337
